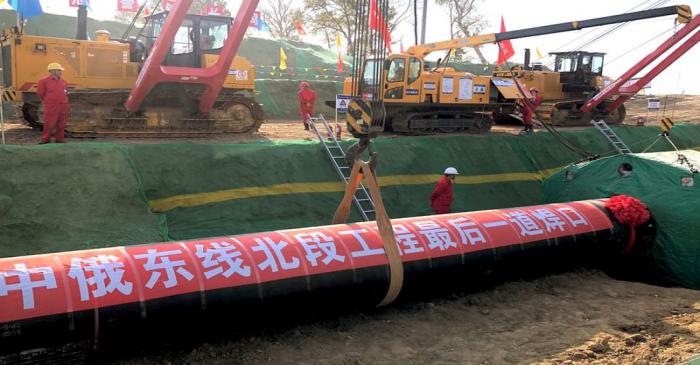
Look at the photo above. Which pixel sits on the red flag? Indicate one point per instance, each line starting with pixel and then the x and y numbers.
pixel 340 62
pixel 211 9
pixel 73 3
pixel 505 48
pixel 147 11
pixel 168 5
pixel 377 22
pixel 127 5
pixel 300 28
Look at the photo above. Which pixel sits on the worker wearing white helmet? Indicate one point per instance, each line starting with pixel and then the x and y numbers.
pixel 441 198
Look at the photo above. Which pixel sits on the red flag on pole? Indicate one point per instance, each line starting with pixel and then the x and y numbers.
pixel 377 22
pixel 127 5
pixel 340 62
pixel 300 27
pixel 211 9
pixel 505 48
pixel 73 3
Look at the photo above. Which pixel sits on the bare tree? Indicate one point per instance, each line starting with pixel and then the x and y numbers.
pixel 338 16
pixel 281 17
pixel 465 21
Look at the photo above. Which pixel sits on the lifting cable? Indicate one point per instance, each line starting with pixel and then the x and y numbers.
pixel 571 145
pixel 605 33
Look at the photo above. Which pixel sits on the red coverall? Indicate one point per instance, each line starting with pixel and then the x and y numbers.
pixel 441 198
pixel 307 100
pixel 529 108
pixel 54 93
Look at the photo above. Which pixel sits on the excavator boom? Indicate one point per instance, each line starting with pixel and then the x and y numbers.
pixel 682 12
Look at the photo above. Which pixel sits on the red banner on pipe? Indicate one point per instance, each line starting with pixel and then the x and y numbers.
pixel 40 285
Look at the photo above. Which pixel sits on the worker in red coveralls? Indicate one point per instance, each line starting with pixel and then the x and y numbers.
pixel 528 108
pixel 53 91
pixel 441 198
pixel 307 101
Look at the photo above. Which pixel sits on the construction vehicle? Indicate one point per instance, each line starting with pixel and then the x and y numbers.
pixel 576 77
pixel 101 73
pixel 401 94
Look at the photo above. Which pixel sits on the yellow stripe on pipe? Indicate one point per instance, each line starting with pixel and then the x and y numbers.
pixel 196 199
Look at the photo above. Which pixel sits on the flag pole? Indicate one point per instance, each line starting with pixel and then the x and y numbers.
pixel 2 122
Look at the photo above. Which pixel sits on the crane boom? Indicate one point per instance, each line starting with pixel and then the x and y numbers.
pixel 682 12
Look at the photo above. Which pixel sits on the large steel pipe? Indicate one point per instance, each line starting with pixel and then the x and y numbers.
pixel 50 300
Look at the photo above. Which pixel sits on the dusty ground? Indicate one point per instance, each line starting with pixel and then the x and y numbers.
pixel 680 108
pixel 271 130
pixel 584 317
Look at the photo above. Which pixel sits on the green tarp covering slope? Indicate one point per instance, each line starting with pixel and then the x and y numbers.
pixel 78 195
pixel 664 185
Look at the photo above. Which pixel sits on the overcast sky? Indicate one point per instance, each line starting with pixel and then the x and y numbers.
pixel 624 47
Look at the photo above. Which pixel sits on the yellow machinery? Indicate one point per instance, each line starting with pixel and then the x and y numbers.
pixel 101 73
pixel 576 77
pixel 399 93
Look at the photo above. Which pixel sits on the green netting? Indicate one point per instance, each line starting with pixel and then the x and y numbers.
pixel 279 97
pixel 70 197
pixel 81 195
pixel 656 180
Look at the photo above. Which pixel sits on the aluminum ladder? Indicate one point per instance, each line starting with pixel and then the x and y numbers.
pixel 603 127
pixel 362 200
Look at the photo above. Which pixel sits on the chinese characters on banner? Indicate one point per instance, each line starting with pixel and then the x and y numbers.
pixel 56 283
pixel 131 6
pixel 210 9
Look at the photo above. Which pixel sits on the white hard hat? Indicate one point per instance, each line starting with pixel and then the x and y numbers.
pixel 451 171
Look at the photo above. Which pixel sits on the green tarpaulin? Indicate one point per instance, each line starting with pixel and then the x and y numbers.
pixel 669 189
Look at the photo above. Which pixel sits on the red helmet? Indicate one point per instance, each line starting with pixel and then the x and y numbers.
pixel 534 90
pixel 303 85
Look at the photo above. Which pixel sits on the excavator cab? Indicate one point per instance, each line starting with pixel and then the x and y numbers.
pixel 198 35
pixel 578 70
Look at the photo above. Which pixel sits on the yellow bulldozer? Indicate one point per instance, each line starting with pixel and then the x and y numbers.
pixel 401 93
pixel 576 77
pixel 101 73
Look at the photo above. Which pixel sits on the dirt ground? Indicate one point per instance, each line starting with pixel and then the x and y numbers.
pixel 582 317
pixel 680 108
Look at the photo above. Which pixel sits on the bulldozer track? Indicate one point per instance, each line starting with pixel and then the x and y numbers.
pixel 97 113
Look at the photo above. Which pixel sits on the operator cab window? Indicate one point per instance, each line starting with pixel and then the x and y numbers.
pixel 372 68
pixel 396 70
pixel 414 68
pixel 213 34
pixel 597 65
pixel 184 38
pixel 586 63
pixel 566 63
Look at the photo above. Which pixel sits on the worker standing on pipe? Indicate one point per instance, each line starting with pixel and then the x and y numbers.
pixel 528 108
pixel 53 91
pixel 441 198
pixel 307 101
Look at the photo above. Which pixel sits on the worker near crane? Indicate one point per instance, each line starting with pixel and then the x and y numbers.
pixel 528 108
pixel 307 101
pixel 441 198
pixel 53 92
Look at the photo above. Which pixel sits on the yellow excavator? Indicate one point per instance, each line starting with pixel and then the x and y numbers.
pixel 100 75
pixel 400 93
